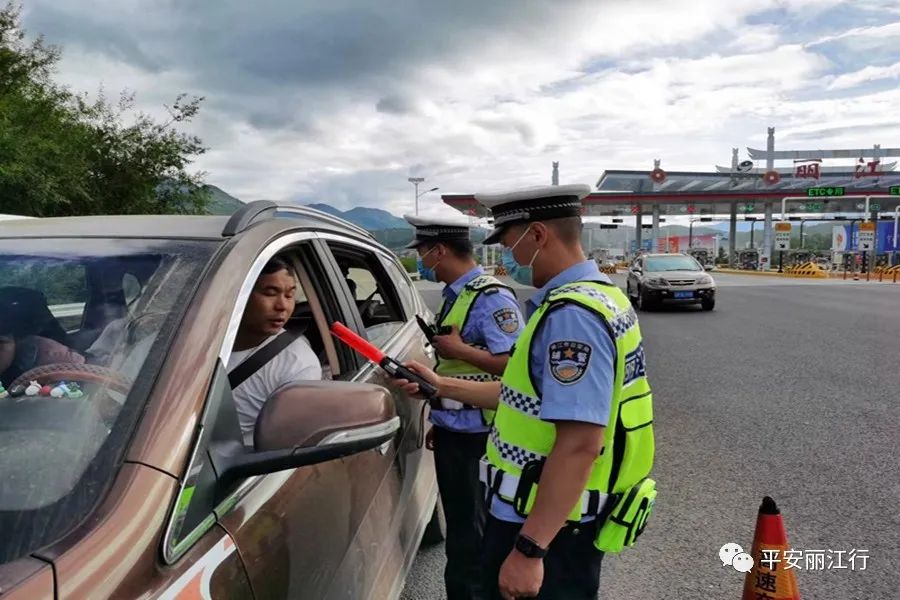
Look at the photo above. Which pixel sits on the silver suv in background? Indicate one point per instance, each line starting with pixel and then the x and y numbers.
pixel 654 279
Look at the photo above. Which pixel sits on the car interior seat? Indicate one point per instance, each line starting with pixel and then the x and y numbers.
pixel 26 312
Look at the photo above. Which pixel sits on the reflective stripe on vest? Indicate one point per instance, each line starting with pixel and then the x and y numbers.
pixel 458 314
pixel 520 439
pixel 508 484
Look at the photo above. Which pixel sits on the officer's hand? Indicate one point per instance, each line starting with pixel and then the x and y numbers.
pixel 429 438
pixel 413 388
pixel 450 345
pixel 520 576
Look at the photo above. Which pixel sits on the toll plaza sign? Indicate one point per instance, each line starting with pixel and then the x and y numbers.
pixel 866 236
pixel 824 192
pixel 782 236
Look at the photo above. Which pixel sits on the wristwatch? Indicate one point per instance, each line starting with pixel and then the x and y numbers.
pixel 529 547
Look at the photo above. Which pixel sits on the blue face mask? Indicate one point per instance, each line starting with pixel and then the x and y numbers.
pixel 522 274
pixel 426 273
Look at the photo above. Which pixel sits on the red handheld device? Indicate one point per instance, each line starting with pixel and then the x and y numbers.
pixel 393 368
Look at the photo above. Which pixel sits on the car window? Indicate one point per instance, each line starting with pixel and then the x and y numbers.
pixel 672 263
pixel 373 292
pixel 404 287
pixel 63 428
pixel 194 510
pixel 279 303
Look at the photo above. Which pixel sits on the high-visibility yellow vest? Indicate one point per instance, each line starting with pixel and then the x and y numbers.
pixel 458 314
pixel 520 441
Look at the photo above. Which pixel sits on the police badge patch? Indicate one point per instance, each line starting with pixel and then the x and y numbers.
pixel 569 361
pixel 507 320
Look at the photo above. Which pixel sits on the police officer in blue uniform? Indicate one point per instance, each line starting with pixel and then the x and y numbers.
pixel 479 319
pixel 541 233
pixel 546 554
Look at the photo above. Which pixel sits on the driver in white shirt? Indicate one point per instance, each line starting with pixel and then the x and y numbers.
pixel 270 306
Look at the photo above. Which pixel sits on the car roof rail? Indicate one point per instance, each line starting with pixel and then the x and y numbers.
pixel 241 219
pixel 328 218
pixel 248 213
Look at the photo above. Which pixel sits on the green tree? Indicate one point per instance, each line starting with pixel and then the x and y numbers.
pixel 62 155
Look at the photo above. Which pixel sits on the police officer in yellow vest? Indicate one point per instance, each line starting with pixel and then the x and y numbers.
pixel 571 446
pixel 480 319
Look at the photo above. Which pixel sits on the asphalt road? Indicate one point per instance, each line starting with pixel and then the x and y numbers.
pixel 789 389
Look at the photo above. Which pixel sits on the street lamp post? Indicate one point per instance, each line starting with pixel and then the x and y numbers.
pixel 416 181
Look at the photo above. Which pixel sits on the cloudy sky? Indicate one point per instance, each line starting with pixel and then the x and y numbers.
pixel 340 101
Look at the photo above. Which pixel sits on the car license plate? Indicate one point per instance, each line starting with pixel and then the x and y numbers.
pixel 679 295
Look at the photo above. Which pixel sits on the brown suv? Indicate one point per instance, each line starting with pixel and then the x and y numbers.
pixel 123 471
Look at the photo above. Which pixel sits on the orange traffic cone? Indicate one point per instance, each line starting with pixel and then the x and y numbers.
pixel 770 579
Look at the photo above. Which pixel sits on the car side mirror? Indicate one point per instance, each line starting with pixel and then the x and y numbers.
pixel 709 267
pixel 310 422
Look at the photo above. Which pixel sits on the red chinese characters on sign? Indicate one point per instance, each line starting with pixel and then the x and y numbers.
pixel 867 169
pixel 807 169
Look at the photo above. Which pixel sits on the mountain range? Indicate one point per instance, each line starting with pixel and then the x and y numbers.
pixel 221 202
pixel 372 219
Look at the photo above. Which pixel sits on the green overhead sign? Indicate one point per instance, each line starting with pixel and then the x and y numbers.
pixel 819 192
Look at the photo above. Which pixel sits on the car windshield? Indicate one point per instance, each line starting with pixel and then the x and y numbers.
pixel 83 328
pixel 672 263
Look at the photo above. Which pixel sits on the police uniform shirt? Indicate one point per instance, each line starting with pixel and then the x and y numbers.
pixel 586 396
pixel 487 326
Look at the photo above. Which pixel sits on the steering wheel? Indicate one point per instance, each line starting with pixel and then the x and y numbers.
pixel 367 304
pixel 106 407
